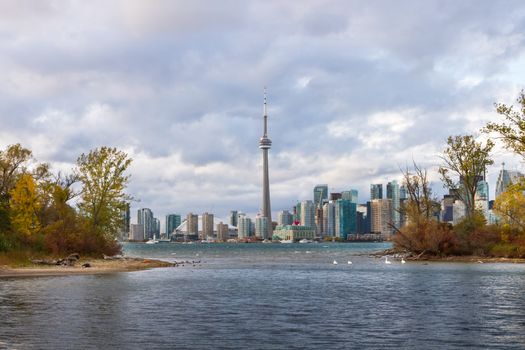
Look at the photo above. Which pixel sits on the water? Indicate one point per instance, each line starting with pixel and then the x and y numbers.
pixel 265 296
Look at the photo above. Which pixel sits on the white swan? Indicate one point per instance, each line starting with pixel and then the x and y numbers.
pixel 403 260
pixel 349 262
pixel 387 261
pixel 335 262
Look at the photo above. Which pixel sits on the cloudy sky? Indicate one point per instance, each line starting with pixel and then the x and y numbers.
pixel 356 90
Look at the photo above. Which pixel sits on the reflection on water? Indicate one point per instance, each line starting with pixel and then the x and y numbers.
pixel 267 297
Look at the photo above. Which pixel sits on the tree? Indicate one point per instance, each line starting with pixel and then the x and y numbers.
pixel 102 174
pixel 512 130
pixel 466 160
pixel 12 164
pixel 25 205
pixel 510 206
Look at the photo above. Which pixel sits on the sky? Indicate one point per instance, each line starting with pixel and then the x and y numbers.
pixel 356 90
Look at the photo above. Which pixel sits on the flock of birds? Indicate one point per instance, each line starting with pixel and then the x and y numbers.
pixel 388 262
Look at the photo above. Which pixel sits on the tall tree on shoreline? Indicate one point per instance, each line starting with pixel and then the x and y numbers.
pixel 102 174
pixel 464 161
pixel 512 130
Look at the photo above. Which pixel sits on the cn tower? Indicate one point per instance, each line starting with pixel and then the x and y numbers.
pixel 265 144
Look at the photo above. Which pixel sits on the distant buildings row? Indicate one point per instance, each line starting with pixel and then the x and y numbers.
pixel 337 214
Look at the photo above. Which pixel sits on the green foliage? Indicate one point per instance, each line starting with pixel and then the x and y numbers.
pixel 512 130
pixel 13 162
pixel 101 173
pixel 464 160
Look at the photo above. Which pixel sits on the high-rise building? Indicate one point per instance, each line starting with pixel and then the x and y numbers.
pixel 297 212
pixel 126 221
pixel 223 233
pixel 361 218
pixel 505 179
pixel 265 144
pixel 156 232
pixel 233 218
pixel 382 216
pixel 145 218
pixel 376 191
pixel 392 192
pixel 368 219
pixel 207 226
pixel 136 232
pixel 244 224
pixel 318 221
pixel 350 196
pixel 262 227
pixel 308 214
pixel 192 224
pixel 172 222
pixel 284 218
pixel 329 219
pixel 335 196
pixel 345 218
pixel 320 195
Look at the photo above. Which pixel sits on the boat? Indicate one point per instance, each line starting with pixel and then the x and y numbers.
pixel 287 241
pixel 152 241
pixel 304 240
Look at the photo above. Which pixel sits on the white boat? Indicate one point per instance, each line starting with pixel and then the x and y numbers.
pixel 304 240
pixel 152 241
pixel 287 241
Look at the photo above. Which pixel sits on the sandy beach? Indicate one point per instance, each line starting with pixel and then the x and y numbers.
pixel 98 266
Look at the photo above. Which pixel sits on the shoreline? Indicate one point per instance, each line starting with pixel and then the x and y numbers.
pixel 98 266
pixel 409 257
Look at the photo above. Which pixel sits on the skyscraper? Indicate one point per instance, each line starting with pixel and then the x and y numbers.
pixel 308 214
pixel 350 195
pixel 382 216
pixel 192 224
pixel 376 191
pixel 320 195
pixel 172 222
pixel 506 178
pixel 284 218
pixel 345 218
pixel 392 192
pixel 329 219
pixel 207 225
pixel 265 144
pixel 261 227
pixel 145 218
pixel 222 232
pixel 233 218
pixel 243 226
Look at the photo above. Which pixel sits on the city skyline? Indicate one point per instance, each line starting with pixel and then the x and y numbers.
pixel 357 91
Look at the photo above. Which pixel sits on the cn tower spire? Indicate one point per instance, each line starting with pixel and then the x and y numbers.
pixel 265 144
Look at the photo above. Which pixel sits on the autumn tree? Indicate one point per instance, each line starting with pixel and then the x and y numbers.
pixel 512 130
pixel 25 205
pixel 464 161
pixel 102 175
pixel 510 206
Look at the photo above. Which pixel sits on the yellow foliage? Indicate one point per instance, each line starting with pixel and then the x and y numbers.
pixel 510 206
pixel 25 205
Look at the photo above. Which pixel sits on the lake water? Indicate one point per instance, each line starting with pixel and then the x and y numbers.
pixel 269 296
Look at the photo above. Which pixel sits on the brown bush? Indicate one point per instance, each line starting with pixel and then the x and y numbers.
pixel 428 236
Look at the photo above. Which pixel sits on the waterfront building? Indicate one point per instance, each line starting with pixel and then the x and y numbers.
pixel 329 219
pixel 192 224
pixel 320 195
pixel 136 232
pixel 207 226
pixel 345 218
pixel 447 208
pixel 244 224
pixel 376 191
pixel 392 192
pixel 265 144
pixel 308 214
pixel 156 232
pixel 319 221
pixel 368 219
pixel 262 227
pixel 145 218
pixel 505 179
pixel 481 198
pixel 294 232
pixel 361 218
pixel 172 222
pixel 284 218
pixel 382 216
pixel 223 233
pixel 126 221
pixel 233 218
pixel 297 212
